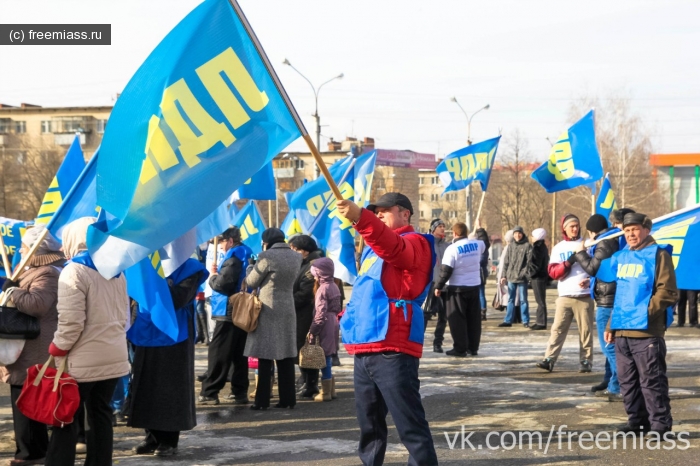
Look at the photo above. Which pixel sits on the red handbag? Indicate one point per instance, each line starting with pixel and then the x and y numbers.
pixel 252 363
pixel 49 396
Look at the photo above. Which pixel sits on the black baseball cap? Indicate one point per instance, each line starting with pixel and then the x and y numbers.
pixel 637 219
pixel 390 200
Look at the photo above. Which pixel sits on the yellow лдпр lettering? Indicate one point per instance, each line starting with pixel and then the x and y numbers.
pixel 248 228
pixel 561 163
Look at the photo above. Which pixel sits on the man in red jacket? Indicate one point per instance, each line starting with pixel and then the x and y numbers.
pixel 383 327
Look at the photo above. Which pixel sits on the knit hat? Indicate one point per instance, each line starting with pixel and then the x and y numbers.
pixel 596 223
pixel 637 219
pixel 538 234
pixel 520 229
pixel 436 222
pixel 272 236
pixel 569 219
pixel 48 244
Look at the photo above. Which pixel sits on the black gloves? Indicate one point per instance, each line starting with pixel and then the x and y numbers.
pixel 9 284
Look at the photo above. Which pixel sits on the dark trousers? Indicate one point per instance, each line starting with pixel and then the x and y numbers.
pixel 99 434
pixel 388 383
pixel 163 438
pixel 440 325
pixel 464 317
pixel 226 350
pixel 689 298
pixel 285 382
pixel 539 289
pixel 641 370
pixel 31 437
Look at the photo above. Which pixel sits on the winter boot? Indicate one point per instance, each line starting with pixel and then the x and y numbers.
pixel 311 385
pixel 483 314
pixel 333 395
pixel 326 388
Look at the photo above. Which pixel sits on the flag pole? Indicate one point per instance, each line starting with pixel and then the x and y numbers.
pixel 216 253
pixel 481 204
pixel 5 260
pixel 278 84
pixel 592 204
pixel 328 201
pixel 29 255
pixel 554 216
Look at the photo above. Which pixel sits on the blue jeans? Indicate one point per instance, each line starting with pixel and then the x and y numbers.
pixel 524 311
pixel 482 288
pixel 120 393
pixel 388 383
pixel 601 320
pixel 326 371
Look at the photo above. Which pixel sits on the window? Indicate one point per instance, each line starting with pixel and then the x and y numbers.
pixel 451 197
pixel 452 214
pixel 422 214
pixel 46 126
pixel 436 212
pixel 5 124
pixel 299 164
pixel 434 197
pixel 101 126
pixel 421 197
pixel 421 180
pixel 20 127
pixel 73 125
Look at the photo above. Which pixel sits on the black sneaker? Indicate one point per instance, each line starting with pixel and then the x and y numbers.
pixel 472 353
pixel 585 366
pixel 639 429
pixel 208 400
pixel 145 448
pixel 505 324
pixel 239 401
pixel 457 354
pixel 546 364
pixel 600 387
pixel 165 451
pixel 526 325
pixel 437 349
pixel 335 361
pixel 538 327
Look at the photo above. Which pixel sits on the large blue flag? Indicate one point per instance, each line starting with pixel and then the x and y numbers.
pixel 333 232
pixel 69 171
pixel 200 117
pixel 12 232
pixel 682 231
pixel 81 200
pixel 260 187
pixel 251 225
pixel 574 159
pixel 606 198
pixel 472 163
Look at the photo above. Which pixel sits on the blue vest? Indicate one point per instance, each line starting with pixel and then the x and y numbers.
pixel 635 286
pixel 218 301
pixel 366 317
pixel 144 332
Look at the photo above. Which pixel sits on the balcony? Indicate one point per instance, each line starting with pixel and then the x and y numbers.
pixel 66 139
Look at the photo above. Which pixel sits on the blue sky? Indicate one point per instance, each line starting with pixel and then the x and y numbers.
pixel 403 60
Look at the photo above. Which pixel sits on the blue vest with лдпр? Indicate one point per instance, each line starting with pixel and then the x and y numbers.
pixel 366 317
pixel 219 301
pixel 636 271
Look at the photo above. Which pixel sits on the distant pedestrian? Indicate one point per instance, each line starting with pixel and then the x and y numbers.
pixel 435 305
pixel 515 275
pixel 482 235
pixel 537 264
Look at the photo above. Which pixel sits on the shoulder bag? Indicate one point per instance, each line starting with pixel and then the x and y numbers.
pixel 246 309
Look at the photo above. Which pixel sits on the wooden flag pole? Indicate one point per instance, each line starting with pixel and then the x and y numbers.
pixel 5 260
pixel 481 204
pixel 29 255
pixel 592 204
pixel 554 216
pixel 216 253
pixel 288 102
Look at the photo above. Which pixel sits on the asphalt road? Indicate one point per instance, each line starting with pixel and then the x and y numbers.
pixel 499 399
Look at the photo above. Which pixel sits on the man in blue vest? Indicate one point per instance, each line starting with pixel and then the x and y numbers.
pixel 646 290
pixel 383 327
pixel 228 342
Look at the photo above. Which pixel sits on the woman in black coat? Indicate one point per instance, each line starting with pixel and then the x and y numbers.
pixel 537 263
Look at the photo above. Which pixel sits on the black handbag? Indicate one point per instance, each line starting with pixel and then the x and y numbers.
pixel 16 325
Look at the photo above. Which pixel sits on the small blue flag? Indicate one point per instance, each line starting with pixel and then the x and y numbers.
pixel 260 187
pixel 472 163
pixel 69 171
pixel 198 119
pixel 251 224
pixel 574 160
pixel 11 231
pixel 333 232
pixel 605 203
pixel 81 200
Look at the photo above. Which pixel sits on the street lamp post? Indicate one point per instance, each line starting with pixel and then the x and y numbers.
pixel 316 92
pixel 469 143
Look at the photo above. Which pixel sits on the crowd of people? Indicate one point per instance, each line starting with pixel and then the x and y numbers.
pixel 121 360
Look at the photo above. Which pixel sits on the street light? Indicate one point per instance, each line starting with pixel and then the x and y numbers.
pixel 316 92
pixel 469 143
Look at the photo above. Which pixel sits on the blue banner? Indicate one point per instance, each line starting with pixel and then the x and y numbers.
pixel 11 232
pixel 81 200
pixel 605 203
pixel 251 225
pixel 260 187
pixel 682 231
pixel 69 171
pixel 200 117
pixel 333 232
pixel 472 163
pixel 574 160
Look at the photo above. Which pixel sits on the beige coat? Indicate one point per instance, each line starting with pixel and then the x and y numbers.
pixel 92 315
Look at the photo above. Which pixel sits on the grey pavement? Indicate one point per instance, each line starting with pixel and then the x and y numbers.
pixel 499 399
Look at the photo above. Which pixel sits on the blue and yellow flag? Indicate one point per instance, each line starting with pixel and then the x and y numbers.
pixel 682 231
pixel 251 225
pixel 201 116
pixel 81 200
pixel 606 198
pixel 11 231
pixel 69 171
pixel 260 187
pixel 472 163
pixel 574 160
pixel 333 232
